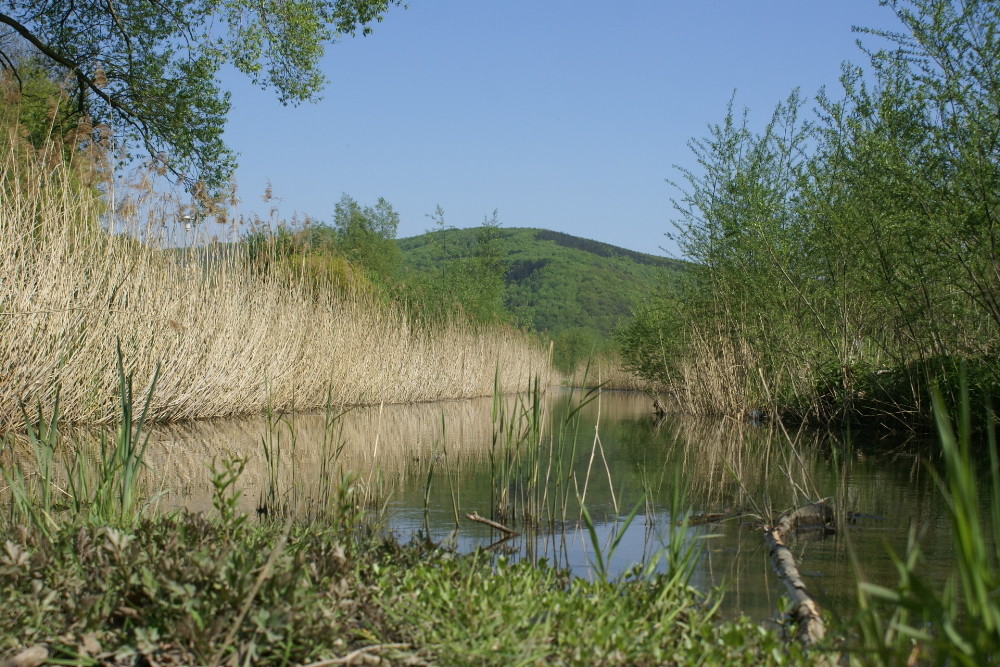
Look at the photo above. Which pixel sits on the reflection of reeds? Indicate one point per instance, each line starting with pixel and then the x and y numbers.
pixel 228 340
pixel 381 447
pixel 726 463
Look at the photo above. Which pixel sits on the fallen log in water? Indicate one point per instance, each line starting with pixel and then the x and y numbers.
pixel 489 522
pixel 805 613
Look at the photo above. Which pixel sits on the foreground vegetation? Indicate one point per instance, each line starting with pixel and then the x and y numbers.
pixel 92 574
pixel 186 589
pixel 845 256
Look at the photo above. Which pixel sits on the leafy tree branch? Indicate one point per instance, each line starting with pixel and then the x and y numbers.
pixel 150 68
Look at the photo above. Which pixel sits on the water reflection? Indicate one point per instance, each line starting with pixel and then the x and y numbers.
pixel 430 465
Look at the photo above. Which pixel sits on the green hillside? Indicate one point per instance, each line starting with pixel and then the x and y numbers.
pixel 556 283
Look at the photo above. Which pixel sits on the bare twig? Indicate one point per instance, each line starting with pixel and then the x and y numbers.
pixel 489 522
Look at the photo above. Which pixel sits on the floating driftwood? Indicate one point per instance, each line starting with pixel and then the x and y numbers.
pixel 805 612
pixel 489 522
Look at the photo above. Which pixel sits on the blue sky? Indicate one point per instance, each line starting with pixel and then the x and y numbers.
pixel 563 115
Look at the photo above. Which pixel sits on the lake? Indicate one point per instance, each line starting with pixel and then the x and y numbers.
pixel 527 461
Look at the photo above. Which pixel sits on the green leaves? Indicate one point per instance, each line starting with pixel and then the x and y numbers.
pixel 470 610
pixel 149 68
pixel 866 238
pixel 365 235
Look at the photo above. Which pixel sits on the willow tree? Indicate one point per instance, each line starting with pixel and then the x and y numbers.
pixel 150 68
pixel 844 264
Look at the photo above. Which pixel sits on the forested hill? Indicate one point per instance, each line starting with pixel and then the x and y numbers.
pixel 554 282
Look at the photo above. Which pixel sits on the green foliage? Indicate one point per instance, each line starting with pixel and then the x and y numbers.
pixel 652 342
pixel 836 254
pixel 365 236
pixel 576 291
pixel 571 345
pixel 183 588
pixel 959 624
pixel 466 272
pixel 190 590
pixel 47 147
pixel 356 252
pixel 530 613
pixel 309 254
pixel 149 68
pixel 36 104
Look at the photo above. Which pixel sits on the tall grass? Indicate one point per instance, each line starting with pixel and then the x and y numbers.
pixel 106 486
pixel 959 623
pixel 226 340
pixel 532 458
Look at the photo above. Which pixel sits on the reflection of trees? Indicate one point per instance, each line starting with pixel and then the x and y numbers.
pixel 727 464
pixel 724 464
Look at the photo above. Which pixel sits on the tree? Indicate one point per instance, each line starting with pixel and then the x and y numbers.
pixel 469 275
pixel 366 235
pixel 844 264
pixel 484 273
pixel 149 68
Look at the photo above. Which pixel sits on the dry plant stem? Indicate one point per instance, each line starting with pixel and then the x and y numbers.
pixel 363 651
pixel 805 612
pixel 31 657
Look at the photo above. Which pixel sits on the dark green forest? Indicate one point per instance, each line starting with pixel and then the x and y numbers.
pixel 576 291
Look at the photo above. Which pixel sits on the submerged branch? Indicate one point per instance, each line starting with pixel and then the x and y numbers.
pixel 805 612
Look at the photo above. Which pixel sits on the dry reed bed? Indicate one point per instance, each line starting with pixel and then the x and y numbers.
pixel 719 376
pixel 226 341
pixel 606 370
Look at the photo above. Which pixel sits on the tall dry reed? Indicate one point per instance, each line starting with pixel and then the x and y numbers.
pixel 607 371
pixel 227 341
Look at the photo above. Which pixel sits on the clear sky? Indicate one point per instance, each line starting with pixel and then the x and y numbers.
pixel 563 115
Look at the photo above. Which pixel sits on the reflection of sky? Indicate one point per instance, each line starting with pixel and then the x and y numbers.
pixel 630 459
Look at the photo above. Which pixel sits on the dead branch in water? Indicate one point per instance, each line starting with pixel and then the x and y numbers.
pixel 805 612
pixel 493 524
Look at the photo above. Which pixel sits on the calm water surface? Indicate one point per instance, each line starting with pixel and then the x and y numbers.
pixel 430 465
